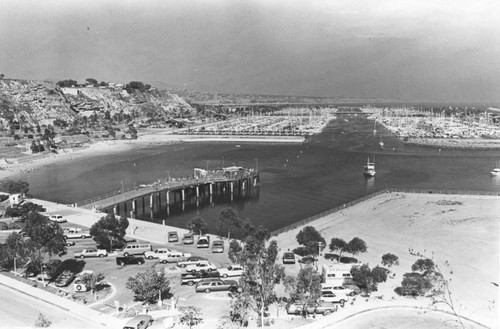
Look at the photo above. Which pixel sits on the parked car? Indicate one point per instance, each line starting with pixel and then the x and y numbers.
pixel 288 258
pixel 307 260
pixel 43 277
pixel 218 246
pixel 70 243
pixel 130 259
pixel 192 278
pixel 188 238
pixel 203 242
pixel 202 266
pixel 210 285
pixel 136 248
pixel 91 253
pixel 157 253
pixel 141 321
pixel 174 257
pixel 330 297
pixel 64 279
pixel 231 270
pixel 58 219
pixel 172 236
pixel 342 290
pixel 76 233
pixel 311 308
pixel 191 260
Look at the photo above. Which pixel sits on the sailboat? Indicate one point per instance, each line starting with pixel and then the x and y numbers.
pixel 496 170
pixel 369 168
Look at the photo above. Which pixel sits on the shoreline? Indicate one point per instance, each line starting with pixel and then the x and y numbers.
pixel 12 168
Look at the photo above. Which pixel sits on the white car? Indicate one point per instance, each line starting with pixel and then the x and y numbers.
pixel 157 253
pixel 231 270
pixel 91 252
pixel 330 297
pixel 192 260
pixel 58 219
pixel 339 290
pixel 174 257
pixel 202 266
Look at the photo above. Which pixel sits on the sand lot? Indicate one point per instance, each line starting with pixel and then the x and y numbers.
pixel 462 231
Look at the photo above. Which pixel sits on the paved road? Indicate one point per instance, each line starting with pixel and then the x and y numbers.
pixel 18 310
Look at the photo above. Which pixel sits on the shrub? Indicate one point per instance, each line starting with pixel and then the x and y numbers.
pixel 390 259
pixel 414 284
pixel 3 226
pixel 301 251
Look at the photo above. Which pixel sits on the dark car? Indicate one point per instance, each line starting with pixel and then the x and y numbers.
pixel 130 259
pixel 308 260
pixel 64 279
pixel 192 278
pixel 288 258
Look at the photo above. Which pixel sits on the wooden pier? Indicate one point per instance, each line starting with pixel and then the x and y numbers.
pixel 174 192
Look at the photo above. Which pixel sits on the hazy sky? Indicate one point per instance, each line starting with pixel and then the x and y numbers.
pixel 397 49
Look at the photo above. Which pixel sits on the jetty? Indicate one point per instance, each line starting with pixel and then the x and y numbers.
pixel 174 192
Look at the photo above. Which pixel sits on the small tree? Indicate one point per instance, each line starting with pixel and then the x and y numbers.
pixel 366 279
pixel 149 286
pixel 423 265
pixel 191 316
pixel 234 252
pixel 339 245
pixel 308 284
pixel 311 239
pixel 197 225
pixel 390 259
pixel 109 231
pixel 414 284
pixel 228 222
pixel 46 237
pixel 42 321
pixel 93 282
pixel 355 246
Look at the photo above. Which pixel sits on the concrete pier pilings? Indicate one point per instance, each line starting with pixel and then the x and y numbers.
pixel 180 194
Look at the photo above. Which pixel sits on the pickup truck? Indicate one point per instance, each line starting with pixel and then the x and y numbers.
pixel 231 270
pixel 91 253
pixel 173 257
pixel 130 259
pixel 76 233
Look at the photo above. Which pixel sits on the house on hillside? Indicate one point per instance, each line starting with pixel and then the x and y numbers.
pixel 16 199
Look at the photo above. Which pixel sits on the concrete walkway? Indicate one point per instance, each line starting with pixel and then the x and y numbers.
pixel 94 318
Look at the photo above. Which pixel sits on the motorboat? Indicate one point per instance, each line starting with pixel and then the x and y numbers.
pixel 369 168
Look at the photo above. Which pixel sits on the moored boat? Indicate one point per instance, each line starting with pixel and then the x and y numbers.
pixel 369 168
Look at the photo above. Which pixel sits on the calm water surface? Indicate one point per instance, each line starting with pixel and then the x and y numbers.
pixel 297 181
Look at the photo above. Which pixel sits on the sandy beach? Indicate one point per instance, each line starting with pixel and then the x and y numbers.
pixel 459 232
pixel 17 167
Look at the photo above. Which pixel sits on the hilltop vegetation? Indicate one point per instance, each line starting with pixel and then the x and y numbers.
pixel 26 105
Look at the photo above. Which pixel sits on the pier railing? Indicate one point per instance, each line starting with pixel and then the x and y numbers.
pixel 171 183
pixel 372 195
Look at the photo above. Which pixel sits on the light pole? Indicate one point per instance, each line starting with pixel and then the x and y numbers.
pixel 222 162
pixel 208 161
pixel 256 164
pixel 123 191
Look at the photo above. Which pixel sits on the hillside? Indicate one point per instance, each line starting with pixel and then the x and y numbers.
pixel 26 103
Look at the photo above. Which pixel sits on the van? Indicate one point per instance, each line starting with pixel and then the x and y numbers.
pixel 136 248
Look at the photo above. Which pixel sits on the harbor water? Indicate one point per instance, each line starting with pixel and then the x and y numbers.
pixel 296 181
